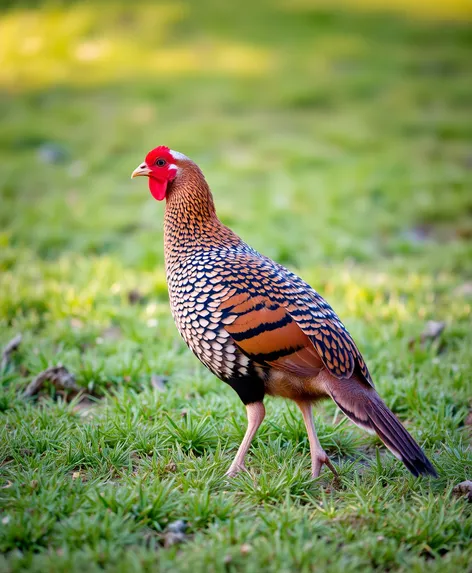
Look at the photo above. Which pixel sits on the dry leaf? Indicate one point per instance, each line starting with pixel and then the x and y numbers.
pixel 9 349
pixel 432 330
pixel 58 375
pixel 464 488
pixel 171 467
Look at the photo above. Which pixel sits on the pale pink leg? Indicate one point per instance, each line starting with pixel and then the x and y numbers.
pixel 255 415
pixel 318 455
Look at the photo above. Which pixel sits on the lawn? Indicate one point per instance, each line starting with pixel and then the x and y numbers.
pixel 338 142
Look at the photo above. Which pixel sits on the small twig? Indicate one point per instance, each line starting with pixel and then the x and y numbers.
pixel 58 375
pixel 9 349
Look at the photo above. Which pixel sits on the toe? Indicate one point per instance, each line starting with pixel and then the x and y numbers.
pixel 233 470
pixel 318 464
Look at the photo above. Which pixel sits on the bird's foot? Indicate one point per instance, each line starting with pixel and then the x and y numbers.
pixel 235 469
pixel 320 460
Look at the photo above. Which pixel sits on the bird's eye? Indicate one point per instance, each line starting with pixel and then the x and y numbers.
pixel 160 162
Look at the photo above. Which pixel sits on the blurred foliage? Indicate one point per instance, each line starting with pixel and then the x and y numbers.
pixel 309 113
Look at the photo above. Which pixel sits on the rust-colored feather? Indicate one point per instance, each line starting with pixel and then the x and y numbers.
pixel 267 334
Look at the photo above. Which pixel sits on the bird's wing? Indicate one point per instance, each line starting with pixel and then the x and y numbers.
pixel 284 323
pixel 267 334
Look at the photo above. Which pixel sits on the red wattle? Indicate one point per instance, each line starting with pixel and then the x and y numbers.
pixel 158 188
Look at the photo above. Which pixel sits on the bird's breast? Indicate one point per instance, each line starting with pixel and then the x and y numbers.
pixel 196 291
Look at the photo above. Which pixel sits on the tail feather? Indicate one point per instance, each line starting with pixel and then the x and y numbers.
pixel 365 408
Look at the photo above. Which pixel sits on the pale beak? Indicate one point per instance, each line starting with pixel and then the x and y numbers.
pixel 141 171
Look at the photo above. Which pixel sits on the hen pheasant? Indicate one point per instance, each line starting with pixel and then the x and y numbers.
pixel 256 325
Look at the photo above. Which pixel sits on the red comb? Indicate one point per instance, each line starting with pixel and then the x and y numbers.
pixel 162 151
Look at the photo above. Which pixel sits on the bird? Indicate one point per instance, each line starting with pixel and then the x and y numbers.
pixel 256 325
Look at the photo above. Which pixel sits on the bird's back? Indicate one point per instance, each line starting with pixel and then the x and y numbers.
pixel 241 313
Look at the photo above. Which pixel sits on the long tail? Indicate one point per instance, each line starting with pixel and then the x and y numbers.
pixel 365 408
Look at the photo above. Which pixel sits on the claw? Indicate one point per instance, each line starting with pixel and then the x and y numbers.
pixel 318 464
pixel 331 467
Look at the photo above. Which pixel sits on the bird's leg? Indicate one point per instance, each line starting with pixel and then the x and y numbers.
pixel 318 455
pixel 255 415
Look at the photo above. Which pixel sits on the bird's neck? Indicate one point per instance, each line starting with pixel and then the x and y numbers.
pixel 190 221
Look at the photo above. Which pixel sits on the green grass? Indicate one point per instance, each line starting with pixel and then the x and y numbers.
pixel 338 143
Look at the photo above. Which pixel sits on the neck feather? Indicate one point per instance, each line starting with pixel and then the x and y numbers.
pixel 189 197
pixel 190 220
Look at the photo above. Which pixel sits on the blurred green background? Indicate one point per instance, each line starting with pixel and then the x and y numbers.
pixel 337 139
pixel 325 134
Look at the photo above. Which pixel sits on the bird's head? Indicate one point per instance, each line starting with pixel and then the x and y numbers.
pixel 161 166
